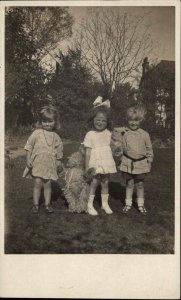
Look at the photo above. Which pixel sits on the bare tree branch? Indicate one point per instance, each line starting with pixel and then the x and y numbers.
pixel 113 44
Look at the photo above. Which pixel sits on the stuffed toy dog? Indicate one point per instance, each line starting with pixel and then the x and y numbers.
pixel 77 182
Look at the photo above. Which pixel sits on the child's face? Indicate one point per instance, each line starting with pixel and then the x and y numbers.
pixel 48 125
pixel 100 122
pixel 134 124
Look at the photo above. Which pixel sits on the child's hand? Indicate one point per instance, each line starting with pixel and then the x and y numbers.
pixel 90 173
pixel 149 160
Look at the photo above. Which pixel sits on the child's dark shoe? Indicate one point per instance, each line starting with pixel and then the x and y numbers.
pixel 35 209
pixel 49 209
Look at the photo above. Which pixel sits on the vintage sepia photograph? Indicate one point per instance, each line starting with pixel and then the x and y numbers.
pixel 90 129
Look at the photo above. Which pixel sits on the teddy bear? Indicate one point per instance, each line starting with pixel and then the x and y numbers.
pixel 77 181
pixel 116 143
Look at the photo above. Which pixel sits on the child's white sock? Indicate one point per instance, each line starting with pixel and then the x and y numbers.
pixel 105 204
pixel 128 202
pixel 140 202
pixel 90 208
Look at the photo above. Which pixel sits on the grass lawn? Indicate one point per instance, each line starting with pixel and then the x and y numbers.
pixel 68 233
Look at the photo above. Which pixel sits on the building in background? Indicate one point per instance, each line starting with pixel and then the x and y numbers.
pixel 157 88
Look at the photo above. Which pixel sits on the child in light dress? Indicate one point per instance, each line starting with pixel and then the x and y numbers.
pixel 44 151
pixel 99 156
pixel 137 157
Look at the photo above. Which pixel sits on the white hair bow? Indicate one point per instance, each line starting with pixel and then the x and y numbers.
pixel 99 102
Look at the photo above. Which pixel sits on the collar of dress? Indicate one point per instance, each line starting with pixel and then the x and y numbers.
pixel 139 130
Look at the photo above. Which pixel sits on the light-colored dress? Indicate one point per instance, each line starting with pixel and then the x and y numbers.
pixel 136 144
pixel 101 155
pixel 45 147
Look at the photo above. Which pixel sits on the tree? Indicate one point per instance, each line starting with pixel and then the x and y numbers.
pixel 25 79
pixel 122 98
pixel 113 45
pixel 47 27
pixel 71 89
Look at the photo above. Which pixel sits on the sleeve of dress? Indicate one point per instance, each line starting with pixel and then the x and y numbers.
pixel 149 149
pixel 87 140
pixel 31 141
pixel 59 147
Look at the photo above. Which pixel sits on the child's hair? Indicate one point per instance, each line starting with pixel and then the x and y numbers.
pixel 48 113
pixel 103 110
pixel 136 112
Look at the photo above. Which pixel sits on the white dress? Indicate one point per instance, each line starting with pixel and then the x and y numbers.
pixel 101 155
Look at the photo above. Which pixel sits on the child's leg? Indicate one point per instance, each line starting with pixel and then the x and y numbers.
pixel 90 208
pixel 140 191
pixel 105 195
pixel 140 195
pixel 129 194
pixel 37 192
pixel 47 194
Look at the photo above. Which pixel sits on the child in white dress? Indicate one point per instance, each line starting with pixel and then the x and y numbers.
pixel 99 156
pixel 44 151
pixel 137 157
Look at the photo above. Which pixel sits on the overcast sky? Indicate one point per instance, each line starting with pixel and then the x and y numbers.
pixel 162 29
pixel 161 19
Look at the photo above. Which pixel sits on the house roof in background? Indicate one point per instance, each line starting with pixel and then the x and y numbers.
pixel 167 65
